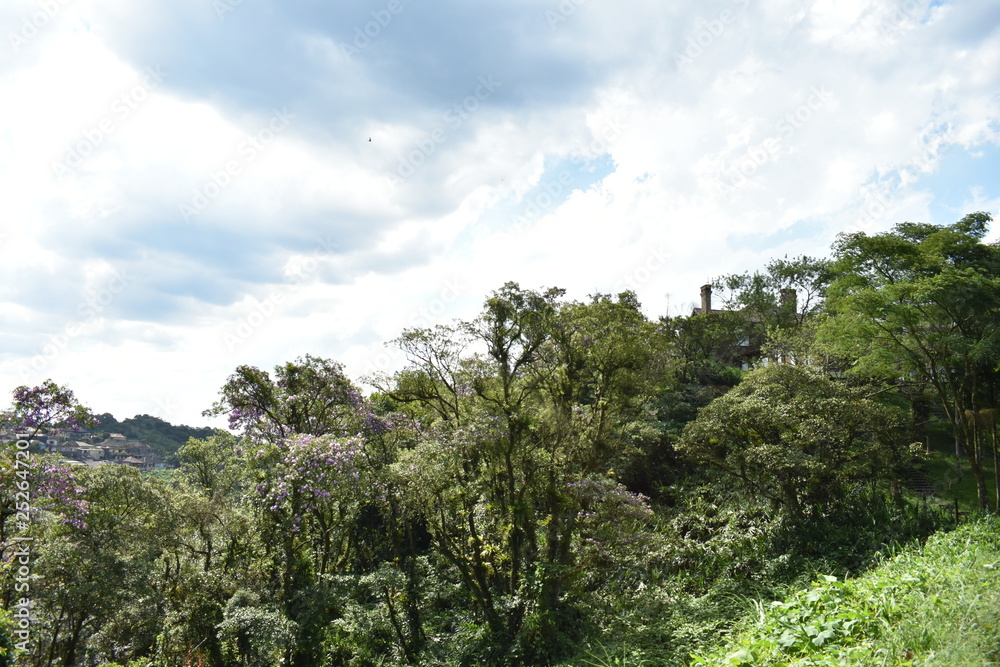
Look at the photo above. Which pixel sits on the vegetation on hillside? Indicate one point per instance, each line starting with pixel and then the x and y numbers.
pixel 163 437
pixel 551 482
pixel 931 604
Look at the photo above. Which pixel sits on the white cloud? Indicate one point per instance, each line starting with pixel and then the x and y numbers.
pixel 783 125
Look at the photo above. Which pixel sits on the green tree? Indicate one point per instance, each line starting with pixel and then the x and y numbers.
pixel 96 590
pixel 795 437
pixel 308 396
pixel 556 396
pixel 216 548
pixel 211 463
pixel 921 303
pixel 707 347
pixel 778 306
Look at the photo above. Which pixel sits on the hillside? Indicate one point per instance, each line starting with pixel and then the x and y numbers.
pixel 933 604
pixel 164 437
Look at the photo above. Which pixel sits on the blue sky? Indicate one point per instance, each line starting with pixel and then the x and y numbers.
pixel 189 185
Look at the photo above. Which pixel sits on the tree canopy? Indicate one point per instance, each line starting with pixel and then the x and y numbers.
pixel 550 482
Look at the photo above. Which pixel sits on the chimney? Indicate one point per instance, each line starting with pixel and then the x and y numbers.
pixel 706 299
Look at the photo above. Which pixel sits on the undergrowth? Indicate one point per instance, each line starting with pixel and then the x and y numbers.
pixel 938 604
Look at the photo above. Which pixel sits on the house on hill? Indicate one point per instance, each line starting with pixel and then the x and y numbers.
pixel 752 329
pixel 119 449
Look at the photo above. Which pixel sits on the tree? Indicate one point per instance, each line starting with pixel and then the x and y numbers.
pixel 557 396
pixel 31 484
pixel 47 407
pixel 794 436
pixel 315 452
pixel 434 379
pixel 215 550
pixel 921 303
pixel 707 347
pixel 96 589
pixel 768 297
pixel 778 306
pixel 308 396
pixel 210 463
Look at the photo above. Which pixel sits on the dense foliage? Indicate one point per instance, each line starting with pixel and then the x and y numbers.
pixel 551 482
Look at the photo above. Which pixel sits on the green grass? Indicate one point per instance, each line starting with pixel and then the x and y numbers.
pixel 933 605
pixel 939 468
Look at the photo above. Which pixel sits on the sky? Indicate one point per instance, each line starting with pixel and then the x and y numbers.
pixel 192 185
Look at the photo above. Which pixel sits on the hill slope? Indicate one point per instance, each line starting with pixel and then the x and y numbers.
pixel 934 605
pixel 162 436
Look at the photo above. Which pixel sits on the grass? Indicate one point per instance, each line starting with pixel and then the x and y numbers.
pixel 938 604
pixel 939 468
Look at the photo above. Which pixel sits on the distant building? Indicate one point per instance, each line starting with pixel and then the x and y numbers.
pixel 753 335
pixel 116 449
pixel 706 302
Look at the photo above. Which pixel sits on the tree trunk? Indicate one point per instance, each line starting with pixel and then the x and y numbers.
pixel 958 451
pixel 74 640
pixel 52 646
pixel 977 468
pixel 996 465
pixel 791 501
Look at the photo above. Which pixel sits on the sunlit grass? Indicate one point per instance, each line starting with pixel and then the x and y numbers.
pixel 933 605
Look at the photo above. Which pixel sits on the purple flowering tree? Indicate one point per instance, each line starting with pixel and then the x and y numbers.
pixel 29 483
pixel 311 489
pixel 308 396
pixel 34 485
pixel 35 489
pixel 46 408
pixel 614 525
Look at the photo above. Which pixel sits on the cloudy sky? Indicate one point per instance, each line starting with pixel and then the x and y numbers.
pixel 190 185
